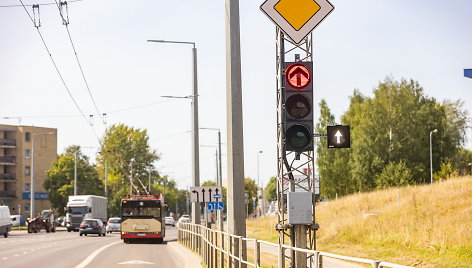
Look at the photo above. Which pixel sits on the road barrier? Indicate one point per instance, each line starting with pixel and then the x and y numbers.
pixel 217 249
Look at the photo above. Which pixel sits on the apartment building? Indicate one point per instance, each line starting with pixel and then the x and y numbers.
pixel 16 155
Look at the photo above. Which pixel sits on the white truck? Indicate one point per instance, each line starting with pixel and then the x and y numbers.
pixel 82 207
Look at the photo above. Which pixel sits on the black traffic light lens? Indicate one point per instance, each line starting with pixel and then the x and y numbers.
pixel 298 106
pixel 298 137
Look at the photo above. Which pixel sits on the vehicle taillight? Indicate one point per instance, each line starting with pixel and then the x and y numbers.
pixel 82 225
pixel 96 226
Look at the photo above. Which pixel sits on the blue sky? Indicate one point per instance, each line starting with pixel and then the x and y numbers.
pixel 361 43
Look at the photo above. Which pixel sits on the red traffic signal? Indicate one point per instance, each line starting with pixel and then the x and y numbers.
pixel 297 75
pixel 298 106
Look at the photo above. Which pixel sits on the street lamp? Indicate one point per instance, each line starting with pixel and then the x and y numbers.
pixel 32 171
pixel 75 168
pixel 220 174
pixel 195 145
pixel 431 152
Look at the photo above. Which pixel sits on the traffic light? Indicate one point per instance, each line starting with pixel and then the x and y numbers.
pixel 339 136
pixel 298 103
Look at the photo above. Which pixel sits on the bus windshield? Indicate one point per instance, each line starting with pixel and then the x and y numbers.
pixel 139 208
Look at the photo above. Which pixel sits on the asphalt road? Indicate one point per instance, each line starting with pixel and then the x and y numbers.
pixel 63 249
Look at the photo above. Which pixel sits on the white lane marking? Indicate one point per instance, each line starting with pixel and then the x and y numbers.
pixel 16 255
pixel 135 262
pixel 25 252
pixel 94 254
pixel 4 258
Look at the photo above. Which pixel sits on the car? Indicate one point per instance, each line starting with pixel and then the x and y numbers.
pixel 184 218
pixel 114 225
pixel 60 221
pixel 92 226
pixel 17 220
pixel 169 221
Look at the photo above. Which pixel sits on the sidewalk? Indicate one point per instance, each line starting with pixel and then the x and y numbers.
pixel 191 259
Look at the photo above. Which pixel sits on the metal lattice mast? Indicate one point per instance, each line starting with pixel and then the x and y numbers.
pixel 294 170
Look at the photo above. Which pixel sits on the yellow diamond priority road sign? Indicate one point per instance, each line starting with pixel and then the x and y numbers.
pixel 297 18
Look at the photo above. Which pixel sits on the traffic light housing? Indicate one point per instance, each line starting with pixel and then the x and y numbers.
pixel 298 104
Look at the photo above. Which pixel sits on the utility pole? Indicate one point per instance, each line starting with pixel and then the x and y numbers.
pixel 75 172
pixel 106 178
pixel 236 217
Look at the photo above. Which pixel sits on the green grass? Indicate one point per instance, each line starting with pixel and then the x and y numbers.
pixel 429 226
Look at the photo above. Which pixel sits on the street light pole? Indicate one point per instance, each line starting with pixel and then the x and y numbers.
pixel 220 173
pixel 431 152
pixel 32 197
pixel 195 139
pixel 75 172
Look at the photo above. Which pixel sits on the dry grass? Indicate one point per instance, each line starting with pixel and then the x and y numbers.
pixel 429 226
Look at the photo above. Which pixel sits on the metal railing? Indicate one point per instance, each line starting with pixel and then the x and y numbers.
pixel 217 249
pixel 7 159
pixel 7 142
pixel 7 177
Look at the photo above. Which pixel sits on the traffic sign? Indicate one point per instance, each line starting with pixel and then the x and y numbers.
pixel 205 194
pixel 216 205
pixel 339 137
pixel 297 18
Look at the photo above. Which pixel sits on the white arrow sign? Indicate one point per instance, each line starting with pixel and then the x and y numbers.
pixel 338 136
pixel 205 194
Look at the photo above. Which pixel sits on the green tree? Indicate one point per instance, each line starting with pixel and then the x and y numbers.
pixel 60 178
pixel 271 190
pixel 126 151
pixel 335 177
pixel 394 174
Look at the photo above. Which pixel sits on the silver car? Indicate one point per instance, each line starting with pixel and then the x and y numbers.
pixel 114 225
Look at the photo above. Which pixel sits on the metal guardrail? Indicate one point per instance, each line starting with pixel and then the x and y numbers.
pixel 217 249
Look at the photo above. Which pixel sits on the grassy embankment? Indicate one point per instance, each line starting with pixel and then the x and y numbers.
pixel 428 226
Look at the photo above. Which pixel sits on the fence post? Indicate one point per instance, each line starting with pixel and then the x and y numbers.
pixel 375 264
pixel 230 251
pixel 215 248
pixel 257 253
pixel 281 257
pixel 222 258
pixel 240 252
pixel 317 259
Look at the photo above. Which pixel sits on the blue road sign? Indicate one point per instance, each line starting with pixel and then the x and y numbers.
pixel 216 205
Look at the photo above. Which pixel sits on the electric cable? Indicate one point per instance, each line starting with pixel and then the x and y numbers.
pixel 66 23
pixel 58 72
pixel 45 4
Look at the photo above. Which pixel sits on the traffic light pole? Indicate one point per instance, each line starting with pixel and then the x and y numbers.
pixel 295 170
pixel 234 114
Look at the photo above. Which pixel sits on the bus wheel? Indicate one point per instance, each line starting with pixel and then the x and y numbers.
pixel 160 240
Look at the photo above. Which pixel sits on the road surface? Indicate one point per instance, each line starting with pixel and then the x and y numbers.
pixel 63 249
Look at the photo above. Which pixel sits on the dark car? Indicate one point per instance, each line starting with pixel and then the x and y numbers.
pixel 92 226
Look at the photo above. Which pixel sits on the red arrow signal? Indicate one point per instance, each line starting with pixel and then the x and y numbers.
pixel 297 75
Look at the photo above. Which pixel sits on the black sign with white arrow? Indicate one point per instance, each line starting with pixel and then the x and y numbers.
pixel 339 136
pixel 205 194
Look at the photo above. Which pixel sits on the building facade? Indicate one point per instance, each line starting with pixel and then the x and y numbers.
pixel 16 170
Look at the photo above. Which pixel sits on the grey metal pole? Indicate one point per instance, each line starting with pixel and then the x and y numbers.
pixel 220 182
pixel 75 173
pixel 236 209
pixel 32 179
pixel 149 185
pixel 195 139
pixel 431 152
pixel 106 178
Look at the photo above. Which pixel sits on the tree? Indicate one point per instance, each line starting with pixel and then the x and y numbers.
pixel 60 178
pixel 390 139
pixel 271 190
pixel 128 155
